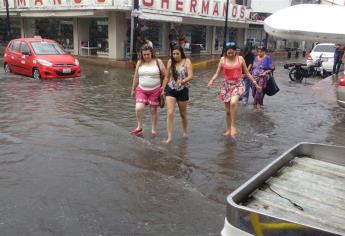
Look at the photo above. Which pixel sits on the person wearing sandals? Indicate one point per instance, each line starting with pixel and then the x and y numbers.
pixel 147 87
pixel 179 73
pixel 232 88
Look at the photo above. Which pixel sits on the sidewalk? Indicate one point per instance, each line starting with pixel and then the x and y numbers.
pixel 198 61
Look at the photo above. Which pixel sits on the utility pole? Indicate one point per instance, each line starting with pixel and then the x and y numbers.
pixel 8 23
pixel 225 26
pixel 134 30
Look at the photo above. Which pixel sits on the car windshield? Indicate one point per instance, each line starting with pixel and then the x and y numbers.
pixel 47 48
pixel 324 48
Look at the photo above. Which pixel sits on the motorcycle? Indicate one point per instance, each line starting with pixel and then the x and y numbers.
pixel 299 71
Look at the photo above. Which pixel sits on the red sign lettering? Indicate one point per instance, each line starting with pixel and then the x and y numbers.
pixel 243 10
pixel 21 3
pixel 192 5
pixel 148 3
pixel 179 5
pixel 98 1
pixel 205 6
pixel 224 9
pixel 166 2
pixel 234 11
pixel 57 2
pixel 215 9
pixel 38 2
pixel 77 1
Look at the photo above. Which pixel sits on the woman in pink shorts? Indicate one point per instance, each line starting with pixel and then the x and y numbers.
pixel 147 87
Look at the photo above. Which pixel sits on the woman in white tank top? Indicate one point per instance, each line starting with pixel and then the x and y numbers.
pixel 147 87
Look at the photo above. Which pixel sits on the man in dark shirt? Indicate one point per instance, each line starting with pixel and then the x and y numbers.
pixel 338 55
pixel 249 59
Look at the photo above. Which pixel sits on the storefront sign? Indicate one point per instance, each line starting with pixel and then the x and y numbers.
pixel 259 16
pixel 211 8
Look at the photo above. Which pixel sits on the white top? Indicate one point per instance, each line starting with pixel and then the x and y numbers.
pixel 149 77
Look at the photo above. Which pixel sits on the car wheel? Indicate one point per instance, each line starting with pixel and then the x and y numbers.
pixel 7 68
pixel 36 74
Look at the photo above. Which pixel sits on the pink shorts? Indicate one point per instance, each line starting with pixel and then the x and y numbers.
pixel 147 97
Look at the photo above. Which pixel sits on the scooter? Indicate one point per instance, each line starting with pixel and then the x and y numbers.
pixel 299 71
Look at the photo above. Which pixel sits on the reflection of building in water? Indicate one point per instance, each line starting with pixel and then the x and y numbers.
pixel 102 27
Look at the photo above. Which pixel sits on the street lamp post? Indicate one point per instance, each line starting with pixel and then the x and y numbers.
pixel 8 24
pixel 134 29
pixel 225 26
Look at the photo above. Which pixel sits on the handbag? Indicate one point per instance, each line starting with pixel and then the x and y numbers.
pixel 271 86
pixel 161 98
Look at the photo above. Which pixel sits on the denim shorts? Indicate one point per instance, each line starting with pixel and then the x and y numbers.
pixel 181 95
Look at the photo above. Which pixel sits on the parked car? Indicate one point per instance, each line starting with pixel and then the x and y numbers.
pixel 326 52
pixel 341 91
pixel 40 58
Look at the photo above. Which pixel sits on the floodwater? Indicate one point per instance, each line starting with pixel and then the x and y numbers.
pixel 69 166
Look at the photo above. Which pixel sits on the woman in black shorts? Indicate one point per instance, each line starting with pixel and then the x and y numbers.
pixel 179 73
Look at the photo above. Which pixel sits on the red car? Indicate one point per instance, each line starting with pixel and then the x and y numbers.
pixel 40 58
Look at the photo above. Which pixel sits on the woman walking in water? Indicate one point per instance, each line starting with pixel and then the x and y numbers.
pixel 147 87
pixel 179 73
pixel 262 68
pixel 232 87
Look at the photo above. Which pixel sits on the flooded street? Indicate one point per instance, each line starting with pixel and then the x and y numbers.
pixel 69 166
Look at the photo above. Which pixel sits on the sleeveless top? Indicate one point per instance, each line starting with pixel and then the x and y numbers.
pixel 149 77
pixel 233 72
pixel 182 73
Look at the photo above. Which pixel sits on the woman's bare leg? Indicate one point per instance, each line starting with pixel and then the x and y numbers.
pixel 227 118
pixel 233 111
pixel 170 103
pixel 183 112
pixel 153 119
pixel 139 112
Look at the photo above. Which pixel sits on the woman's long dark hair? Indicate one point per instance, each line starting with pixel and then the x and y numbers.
pixel 173 62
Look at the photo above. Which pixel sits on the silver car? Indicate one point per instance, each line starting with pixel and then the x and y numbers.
pixel 341 91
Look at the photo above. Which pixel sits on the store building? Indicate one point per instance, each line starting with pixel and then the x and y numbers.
pixel 102 27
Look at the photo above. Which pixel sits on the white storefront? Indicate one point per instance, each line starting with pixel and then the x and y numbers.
pixel 102 27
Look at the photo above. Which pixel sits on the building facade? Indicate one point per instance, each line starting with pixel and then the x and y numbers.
pixel 103 27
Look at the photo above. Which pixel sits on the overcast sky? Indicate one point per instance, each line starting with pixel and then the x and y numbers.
pixel 269 5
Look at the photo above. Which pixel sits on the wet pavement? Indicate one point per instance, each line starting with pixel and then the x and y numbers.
pixel 69 166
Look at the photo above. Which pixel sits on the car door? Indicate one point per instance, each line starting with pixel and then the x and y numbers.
pixel 26 58
pixel 15 57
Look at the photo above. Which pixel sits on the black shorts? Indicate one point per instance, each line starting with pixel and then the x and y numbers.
pixel 180 96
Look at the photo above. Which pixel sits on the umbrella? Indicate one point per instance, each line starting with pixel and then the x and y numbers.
pixel 321 23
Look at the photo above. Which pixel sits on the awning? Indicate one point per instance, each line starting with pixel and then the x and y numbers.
pixel 156 17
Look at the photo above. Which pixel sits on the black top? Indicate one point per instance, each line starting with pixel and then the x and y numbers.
pixel 249 58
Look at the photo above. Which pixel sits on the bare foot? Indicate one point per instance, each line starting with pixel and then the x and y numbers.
pixel 184 135
pixel 153 134
pixel 168 141
pixel 234 132
pixel 227 133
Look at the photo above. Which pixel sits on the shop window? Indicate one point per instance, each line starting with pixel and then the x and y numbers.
pixel 59 30
pixel 194 37
pixel 151 30
pixel 15 31
pixel 98 36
